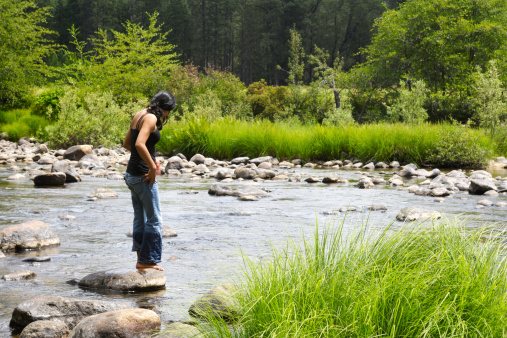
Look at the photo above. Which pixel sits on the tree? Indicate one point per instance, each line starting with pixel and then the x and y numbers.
pixel 24 42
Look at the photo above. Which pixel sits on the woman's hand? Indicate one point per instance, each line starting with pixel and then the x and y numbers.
pixel 150 176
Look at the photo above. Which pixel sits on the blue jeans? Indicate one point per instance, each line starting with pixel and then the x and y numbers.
pixel 147 232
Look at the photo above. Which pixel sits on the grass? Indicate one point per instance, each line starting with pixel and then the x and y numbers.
pixel 228 138
pixel 420 281
pixel 18 123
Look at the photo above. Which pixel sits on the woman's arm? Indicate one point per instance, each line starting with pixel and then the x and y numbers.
pixel 126 141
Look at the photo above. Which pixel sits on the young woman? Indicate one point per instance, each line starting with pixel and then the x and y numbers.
pixel 140 177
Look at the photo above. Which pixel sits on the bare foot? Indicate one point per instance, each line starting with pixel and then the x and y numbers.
pixel 149 266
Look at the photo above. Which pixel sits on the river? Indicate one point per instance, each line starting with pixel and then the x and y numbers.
pixel 212 231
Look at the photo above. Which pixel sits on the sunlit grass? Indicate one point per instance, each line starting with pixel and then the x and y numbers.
pixel 420 281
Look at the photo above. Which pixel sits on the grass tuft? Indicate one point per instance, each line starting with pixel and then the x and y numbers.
pixel 420 281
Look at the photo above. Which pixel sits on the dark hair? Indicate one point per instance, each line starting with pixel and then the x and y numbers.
pixel 163 100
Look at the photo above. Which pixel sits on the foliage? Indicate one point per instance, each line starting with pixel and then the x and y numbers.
pixel 18 123
pixel 409 106
pixel 91 118
pixel 47 103
pixel 342 115
pixel 296 58
pixel 465 149
pixel 423 280
pixel 490 101
pixel 268 101
pixel 226 138
pixel 24 43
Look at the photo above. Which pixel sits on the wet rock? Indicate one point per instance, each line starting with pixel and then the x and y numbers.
pixel 501 204
pixel 174 163
pixel 48 180
pixel 313 179
pixel 409 171
pixel 439 192
pixel 357 165
pixel 365 183
pixel 2 255
pixel 413 213
pixel 127 323
pixel 245 173
pixel 480 186
pixel 394 164
pixel 434 173
pixel 91 161
pixel 103 193
pixel 224 173
pixel 265 165
pixel 248 198
pixel 125 280
pixel 180 330
pixel 37 259
pixel 285 165
pixel 377 180
pixel 491 193
pixel 330 179
pixel 76 153
pixel 220 302
pixel 486 203
pixel 45 329
pixel 67 310
pixel 369 166
pixel 222 190
pixel 31 235
pixel 265 174
pixel 259 160
pixel 44 160
pixel 347 209
pixel 198 159
pixel 240 160
pixel 381 165
pixel 16 177
pixel 377 207
pixel 19 275
pixel 309 165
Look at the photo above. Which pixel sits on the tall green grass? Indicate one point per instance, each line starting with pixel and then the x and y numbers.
pixel 227 138
pixel 19 123
pixel 421 281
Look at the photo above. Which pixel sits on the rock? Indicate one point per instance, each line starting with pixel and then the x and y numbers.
pixel 369 166
pixel 309 165
pixel 220 302
pixel 313 179
pixel 480 186
pixel 64 167
pixel 347 209
pixel 125 280
pixel 45 329
pixel 240 160
pixel 91 161
pixel 245 173
pixel 408 171
pixel 365 183
pixel 259 160
pixel 127 323
pixel 198 159
pixel 222 190
pixel 16 177
pixel 248 198
pixel 224 173
pixel 180 330
pixel 501 204
pixel 357 165
pixel 48 180
pixel 27 236
pixel 377 180
pixel 2 255
pixel 439 192
pixel 265 174
pixel 37 259
pixel 76 153
pixel 381 165
pixel 103 193
pixel 491 193
pixel 67 310
pixel 46 160
pixel 434 173
pixel 175 163
pixel 67 217
pixel 285 165
pixel 19 275
pixel 265 165
pixel 394 164
pixel 377 207
pixel 413 213
pixel 331 179
pixel 486 203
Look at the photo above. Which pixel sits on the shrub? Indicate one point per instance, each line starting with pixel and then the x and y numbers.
pixel 91 118
pixel 20 123
pixel 269 102
pixel 409 106
pixel 47 103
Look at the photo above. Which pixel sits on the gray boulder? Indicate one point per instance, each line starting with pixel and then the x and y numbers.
pixel 259 160
pixel 71 176
pixel 409 170
pixel 198 159
pixel 66 310
pixel 31 235
pixel 45 329
pixel 220 302
pixel 222 190
pixel 369 166
pixel 265 174
pixel 75 153
pixel 125 280
pixel 365 183
pixel 413 213
pixel 240 160
pixel 128 323
pixel 223 173
pixel 50 180
pixel 245 173
pixel 480 186
pixel 175 163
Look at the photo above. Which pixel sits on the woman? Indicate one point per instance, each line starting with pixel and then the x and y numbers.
pixel 142 169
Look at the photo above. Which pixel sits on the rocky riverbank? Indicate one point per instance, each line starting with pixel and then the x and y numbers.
pixel 108 164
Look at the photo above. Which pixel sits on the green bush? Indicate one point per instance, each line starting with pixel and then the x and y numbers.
pixel 18 123
pixel 268 102
pixel 47 103
pixel 91 118
pixel 409 106
pixel 444 280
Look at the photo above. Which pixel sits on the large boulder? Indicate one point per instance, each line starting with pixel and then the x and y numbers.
pixel 75 153
pixel 45 329
pixel 66 310
pixel 128 323
pixel 71 175
pixel 174 162
pixel 220 302
pixel 198 159
pixel 50 180
pixel 245 173
pixel 31 235
pixel 480 186
pixel 125 280
pixel 413 213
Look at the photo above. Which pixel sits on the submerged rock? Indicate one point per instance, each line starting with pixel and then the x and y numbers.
pixel 27 236
pixel 103 193
pixel 45 329
pixel 125 280
pixel 50 180
pixel 220 302
pixel 413 213
pixel 19 275
pixel 180 330
pixel 67 310
pixel 120 323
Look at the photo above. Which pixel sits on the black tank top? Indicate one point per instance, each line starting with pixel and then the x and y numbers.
pixel 136 165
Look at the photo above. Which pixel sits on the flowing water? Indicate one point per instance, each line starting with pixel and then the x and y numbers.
pixel 212 231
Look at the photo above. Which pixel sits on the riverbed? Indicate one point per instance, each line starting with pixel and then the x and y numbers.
pixel 213 232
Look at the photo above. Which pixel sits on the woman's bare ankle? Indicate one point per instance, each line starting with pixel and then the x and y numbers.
pixel 148 266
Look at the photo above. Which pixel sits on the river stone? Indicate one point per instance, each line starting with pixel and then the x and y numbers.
pixel 67 310
pixel 240 160
pixel 220 302
pixel 365 183
pixel 180 330
pixel 46 160
pixel 75 153
pixel 222 190
pixel 439 192
pixel 37 259
pixel 369 166
pixel 378 207
pixel 486 203
pixel 259 160
pixel 27 236
pixel 248 198
pixel 330 179
pixel 127 323
pixel 224 173
pixel 19 275
pixel 313 179
pixel 245 173
pixel 265 174
pixel 125 280
pixel 394 164
pixel 45 329
pixel 501 204
pixel 198 159
pixel 16 177
pixel 408 171
pixel 480 186
pixel 52 179
pixel 103 193
pixel 265 165
pixel 491 193
pixel 174 162
pixel 2 255
pixel 413 213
